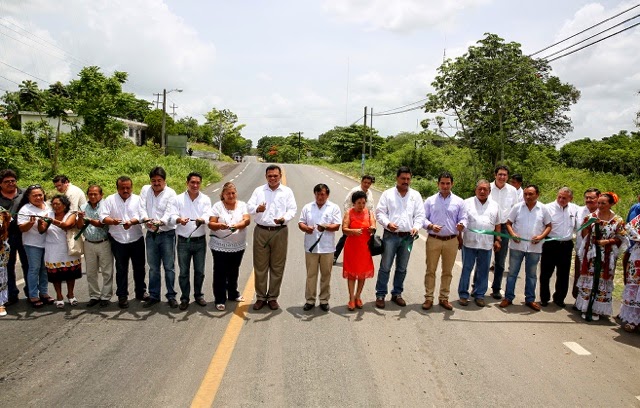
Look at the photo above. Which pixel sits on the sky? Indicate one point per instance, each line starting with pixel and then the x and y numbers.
pixel 288 66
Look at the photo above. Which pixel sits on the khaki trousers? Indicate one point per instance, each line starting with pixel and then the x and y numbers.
pixel 324 262
pixel 436 249
pixel 269 261
pixel 98 259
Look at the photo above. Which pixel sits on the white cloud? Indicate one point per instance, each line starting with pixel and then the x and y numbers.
pixel 400 15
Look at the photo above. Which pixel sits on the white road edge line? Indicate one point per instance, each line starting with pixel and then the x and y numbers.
pixel 215 190
pixel 576 348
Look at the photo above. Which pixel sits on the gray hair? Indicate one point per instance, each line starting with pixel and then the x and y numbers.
pixel 483 181
pixel 566 190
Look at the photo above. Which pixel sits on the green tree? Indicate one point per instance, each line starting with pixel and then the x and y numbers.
pixel 225 131
pixel 56 105
pixel 345 143
pixel 502 100
pixel 154 125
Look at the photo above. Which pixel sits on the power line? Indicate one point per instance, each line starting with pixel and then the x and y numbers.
pixel 10 80
pixel 25 72
pixel 591 37
pixel 403 106
pixel 586 29
pixel 402 111
pixel 593 43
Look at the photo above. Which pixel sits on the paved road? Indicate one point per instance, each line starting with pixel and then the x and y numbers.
pixel 374 358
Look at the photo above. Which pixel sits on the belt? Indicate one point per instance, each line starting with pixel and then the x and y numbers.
pixel 264 227
pixel 443 238
pixel 97 242
pixel 180 237
pixel 400 233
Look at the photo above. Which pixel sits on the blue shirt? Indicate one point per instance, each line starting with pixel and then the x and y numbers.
pixel 633 212
pixel 93 233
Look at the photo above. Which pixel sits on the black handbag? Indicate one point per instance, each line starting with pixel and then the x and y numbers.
pixel 376 245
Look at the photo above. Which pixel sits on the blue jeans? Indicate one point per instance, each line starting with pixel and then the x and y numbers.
pixel 161 248
pixel 37 273
pixel 196 248
pixel 531 278
pixel 500 258
pixel 481 259
pixel 17 250
pixel 398 248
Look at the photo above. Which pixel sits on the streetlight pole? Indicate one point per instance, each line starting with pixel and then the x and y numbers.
pixel 163 140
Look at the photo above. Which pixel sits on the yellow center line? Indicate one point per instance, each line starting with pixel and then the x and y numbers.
pixel 213 377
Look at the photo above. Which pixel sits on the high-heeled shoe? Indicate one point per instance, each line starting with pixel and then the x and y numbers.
pixel 351 306
pixel 359 303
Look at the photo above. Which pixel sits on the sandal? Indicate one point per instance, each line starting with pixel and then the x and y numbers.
pixel 351 306
pixel 630 327
pixel 240 298
pixel 47 300
pixel 36 303
pixel 3 311
pixel 359 303
pixel 220 306
pixel 73 301
pixel 59 304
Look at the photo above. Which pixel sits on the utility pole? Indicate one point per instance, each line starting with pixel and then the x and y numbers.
pixel 364 141
pixel 371 134
pixel 299 145
pixel 173 108
pixel 163 143
pixel 157 99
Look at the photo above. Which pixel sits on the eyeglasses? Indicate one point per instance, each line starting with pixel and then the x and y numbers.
pixel 34 186
pixel 9 181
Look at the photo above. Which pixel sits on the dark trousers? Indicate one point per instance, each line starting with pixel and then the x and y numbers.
pixel 17 249
pixel 226 268
pixel 123 253
pixel 556 255
pixel 188 249
pixel 339 246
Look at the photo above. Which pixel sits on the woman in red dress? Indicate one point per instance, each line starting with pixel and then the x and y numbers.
pixel 357 224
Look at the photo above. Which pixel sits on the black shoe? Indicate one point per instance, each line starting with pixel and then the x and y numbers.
pixel 496 294
pixel 308 306
pixel 184 304
pixel 560 304
pixel 172 303
pixel 201 301
pixel 93 302
pixel 123 302
pixel 544 303
pixel 144 297
pixel 11 301
pixel 150 303
pixel 335 261
pixel 104 303
pixel 324 306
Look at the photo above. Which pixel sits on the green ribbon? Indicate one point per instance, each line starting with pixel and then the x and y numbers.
pixel 271 237
pixel 505 235
pixel 315 244
pixel 410 239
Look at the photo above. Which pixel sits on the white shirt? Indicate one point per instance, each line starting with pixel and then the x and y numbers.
pixel 520 193
pixel 506 197
pixel 32 237
pixel 528 224
pixel 76 197
pixel 182 206
pixel 480 217
pixel 280 204
pixel 406 212
pixel 348 204
pixel 312 216
pixel 115 207
pixel 224 240
pixel 156 207
pixel 564 221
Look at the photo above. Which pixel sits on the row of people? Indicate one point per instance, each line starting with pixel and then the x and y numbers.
pixel 474 225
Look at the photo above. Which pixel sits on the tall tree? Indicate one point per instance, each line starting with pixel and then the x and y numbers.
pixel 226 133
pixel 502 99
pixel 56 105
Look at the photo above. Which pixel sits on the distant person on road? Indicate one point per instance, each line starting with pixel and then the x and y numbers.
pixel 482 214
pixel 98 257
pixel 556 254
pixel 630 308
pixel 10 196
pixel 506 196
pixel 401 213
pixel 61 267
pixel 32 207
pixel 228 221
pixel 358 223
pixel 528 223
pixel 160 242
pixel 5 221
pixel 75 194
pixel 121 212
pixel 365 184
pixel 445 219
pixel 273 205
pixel 601 240
pixel 319 220
pixel 190 211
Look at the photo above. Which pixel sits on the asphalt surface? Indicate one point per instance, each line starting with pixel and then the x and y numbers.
pixel 374 358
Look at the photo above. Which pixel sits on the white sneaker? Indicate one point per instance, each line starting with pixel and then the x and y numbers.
pixel 240 298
